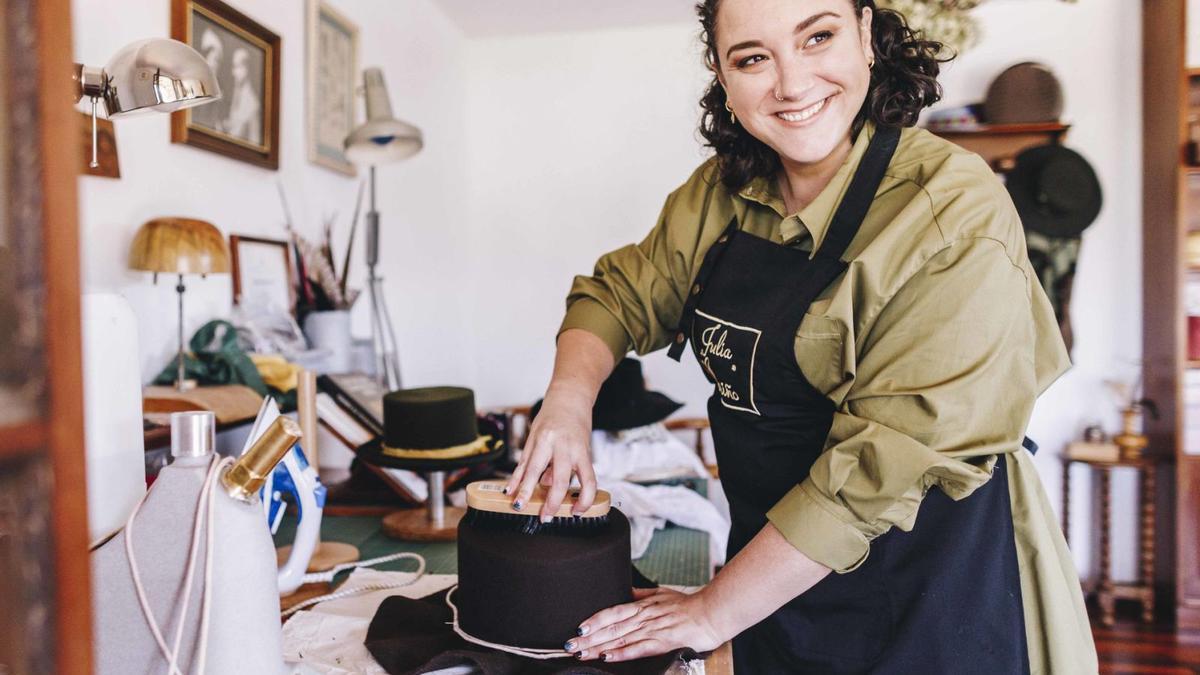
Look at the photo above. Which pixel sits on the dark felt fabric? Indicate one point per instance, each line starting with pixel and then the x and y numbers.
pixel 410 637
pixel 533 590
pixel 429 418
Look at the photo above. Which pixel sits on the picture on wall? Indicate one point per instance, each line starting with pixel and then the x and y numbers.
pixel 262 274
pixel 331 85
pixel 245 56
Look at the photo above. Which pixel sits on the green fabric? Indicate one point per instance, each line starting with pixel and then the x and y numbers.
pixel 215 358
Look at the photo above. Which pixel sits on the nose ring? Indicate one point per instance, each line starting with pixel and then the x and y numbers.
pixel 777 96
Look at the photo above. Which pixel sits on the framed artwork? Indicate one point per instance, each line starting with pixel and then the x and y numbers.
pixel 331 85
pixel 262 274
pixel 244 122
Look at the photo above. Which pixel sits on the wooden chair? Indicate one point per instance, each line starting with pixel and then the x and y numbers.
pixel 699 425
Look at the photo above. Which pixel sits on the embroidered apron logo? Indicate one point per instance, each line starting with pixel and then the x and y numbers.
pixel 726 351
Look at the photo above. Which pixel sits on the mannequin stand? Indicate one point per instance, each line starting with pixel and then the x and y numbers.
pixel 435 522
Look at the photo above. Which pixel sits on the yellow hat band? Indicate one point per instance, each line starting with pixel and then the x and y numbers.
pixel 478 446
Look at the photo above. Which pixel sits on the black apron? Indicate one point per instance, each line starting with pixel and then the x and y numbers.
pixel 943 598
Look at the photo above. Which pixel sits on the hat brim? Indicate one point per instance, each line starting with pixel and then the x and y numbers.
pixel 1021 185
pixel 372 453
pixel 647 408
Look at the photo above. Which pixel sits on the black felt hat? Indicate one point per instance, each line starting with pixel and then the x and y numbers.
pixel 1055 190
pixel 623 401
pixel 431 429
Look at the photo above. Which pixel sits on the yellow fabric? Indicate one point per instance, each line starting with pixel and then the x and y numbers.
pixel 478 446
pixel 933 346
pixel 276 371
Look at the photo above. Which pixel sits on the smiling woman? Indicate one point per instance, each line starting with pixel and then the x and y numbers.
pixel 859 294
pixel 865 57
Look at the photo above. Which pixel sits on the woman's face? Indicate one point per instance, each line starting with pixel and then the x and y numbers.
pixel 795 71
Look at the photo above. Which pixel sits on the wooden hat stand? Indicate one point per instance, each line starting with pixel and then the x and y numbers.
pixel 435 522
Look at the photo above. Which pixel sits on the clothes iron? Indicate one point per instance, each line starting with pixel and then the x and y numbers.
pixel 155 607
pixel 294 477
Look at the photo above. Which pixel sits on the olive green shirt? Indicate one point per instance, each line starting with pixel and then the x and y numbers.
pixel 933 346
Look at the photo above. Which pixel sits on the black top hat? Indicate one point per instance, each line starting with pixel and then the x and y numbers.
pixel 1055 190
pixel 431 428
pixel 623 402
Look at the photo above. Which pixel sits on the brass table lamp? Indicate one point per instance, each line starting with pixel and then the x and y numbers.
pixel 179 246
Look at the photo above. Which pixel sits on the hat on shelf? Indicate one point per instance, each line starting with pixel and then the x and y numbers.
pixel 1026 93
pixel 430 426
pixel 623 401
pixel 1055 190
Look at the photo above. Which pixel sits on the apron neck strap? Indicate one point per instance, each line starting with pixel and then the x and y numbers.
pixel 867 177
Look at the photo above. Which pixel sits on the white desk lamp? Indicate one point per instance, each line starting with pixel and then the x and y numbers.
pixel 382 139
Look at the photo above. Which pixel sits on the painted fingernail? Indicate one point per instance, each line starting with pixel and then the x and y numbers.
pixel 605 656
pixel 546 519
pixel 504 491
pixel 581 655
pixel 569 646
pixel 517 505
pixel 581 631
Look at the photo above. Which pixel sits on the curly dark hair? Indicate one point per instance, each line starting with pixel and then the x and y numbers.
pixel 903 82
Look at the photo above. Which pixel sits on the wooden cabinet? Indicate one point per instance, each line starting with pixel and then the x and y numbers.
pixel 44 598
pixel 1170 212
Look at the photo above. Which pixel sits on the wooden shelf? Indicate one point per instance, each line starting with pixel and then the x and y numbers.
pixel 1006 129
pixel 999 144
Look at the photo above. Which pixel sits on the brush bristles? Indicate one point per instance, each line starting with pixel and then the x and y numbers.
pixel 532 524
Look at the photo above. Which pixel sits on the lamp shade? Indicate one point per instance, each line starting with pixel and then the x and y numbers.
pixel 157 74
pixel 179 246
pixel 383 138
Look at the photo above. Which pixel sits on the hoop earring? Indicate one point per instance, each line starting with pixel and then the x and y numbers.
pixel 732 117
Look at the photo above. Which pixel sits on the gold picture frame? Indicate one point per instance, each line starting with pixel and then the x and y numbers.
pixel 246 58
pixel 332 61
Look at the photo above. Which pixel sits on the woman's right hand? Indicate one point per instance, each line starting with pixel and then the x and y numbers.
pixel 558 447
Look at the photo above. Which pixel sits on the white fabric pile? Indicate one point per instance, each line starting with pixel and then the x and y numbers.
pixel 653 453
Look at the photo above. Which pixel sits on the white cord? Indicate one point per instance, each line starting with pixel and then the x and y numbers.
pixel 205 601
pixel 540 654
pixel 420 571
pixel 201 512
pixel 202 515
pixel 328 575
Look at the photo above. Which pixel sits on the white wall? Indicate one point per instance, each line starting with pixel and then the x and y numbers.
pixel 579 139
pixel 421 201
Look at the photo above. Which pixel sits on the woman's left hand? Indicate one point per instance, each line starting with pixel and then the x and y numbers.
pixel 657 622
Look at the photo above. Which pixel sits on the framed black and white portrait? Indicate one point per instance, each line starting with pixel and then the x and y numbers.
pixel 245 56
pixel 331 84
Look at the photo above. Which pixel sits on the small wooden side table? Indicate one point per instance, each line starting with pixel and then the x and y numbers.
pixel 1107 591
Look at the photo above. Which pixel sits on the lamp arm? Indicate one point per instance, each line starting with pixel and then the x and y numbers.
pixel 90 82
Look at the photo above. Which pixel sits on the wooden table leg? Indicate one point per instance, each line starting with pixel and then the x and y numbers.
pixel 1104 592
pixel 1146 573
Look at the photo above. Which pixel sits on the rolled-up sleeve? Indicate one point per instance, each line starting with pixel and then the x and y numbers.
pixel 635 295
pixel 944 382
